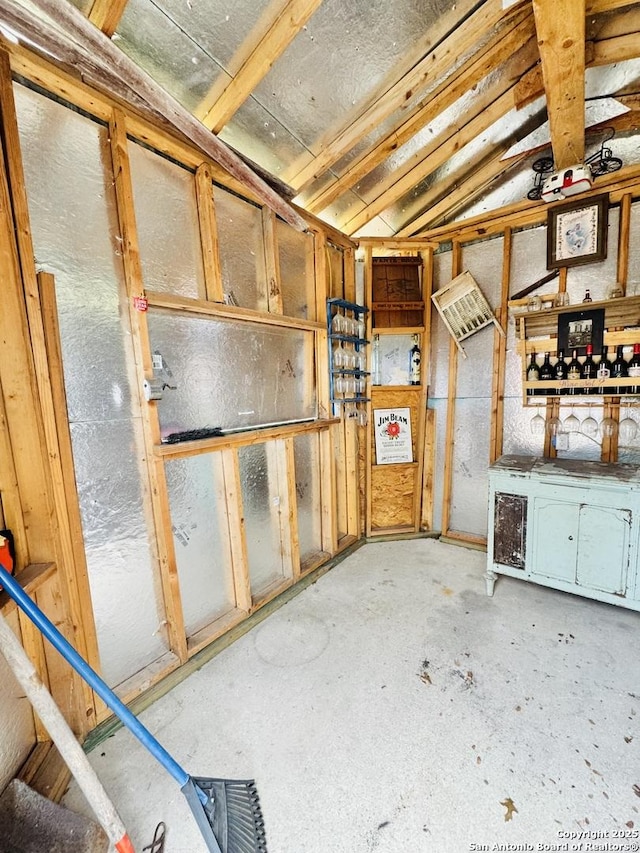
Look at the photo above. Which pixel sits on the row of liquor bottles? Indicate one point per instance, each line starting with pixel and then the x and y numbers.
pixel 588 369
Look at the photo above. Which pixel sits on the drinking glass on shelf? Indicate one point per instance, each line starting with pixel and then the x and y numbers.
pixel 589 425
pixel 337 324
pixel 534 303
pixel 363 418
pixel 339 385
pixel 614 291
pixel 561 299
pixel 608 427
pixel 537 424
pixel 338 356
pixel 627 429
pixel 554 426
pixel 571 423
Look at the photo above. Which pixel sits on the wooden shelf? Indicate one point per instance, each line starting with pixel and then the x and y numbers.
pixel 398 330
pixel 584 385
pixel 31 578
pixel 618 313
pixel 378 388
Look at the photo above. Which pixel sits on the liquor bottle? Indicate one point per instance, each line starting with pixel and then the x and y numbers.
pixel 547 373
pixel 560 370
pixel 574 371
pixel 604 371
pixel 375 361
pixel 634 369
pixel 414 362
pixel 533 374
pixel 618 370
pixel 587 296
pixel 589 370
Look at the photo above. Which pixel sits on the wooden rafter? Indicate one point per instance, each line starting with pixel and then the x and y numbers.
pixel 107 14
pixel 488 107
pixel 501 50
pixel 560 25
pixel 273 34
pixel 77 42
pixel 595 7
pixel 617 40
pixel 424 73
pixel 460 189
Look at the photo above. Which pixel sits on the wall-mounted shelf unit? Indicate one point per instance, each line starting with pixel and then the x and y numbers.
pixel 538 333
pixel 347 355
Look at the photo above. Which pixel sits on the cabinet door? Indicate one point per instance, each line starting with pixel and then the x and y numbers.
pixel 555 539
pixel 603 548
pixel 510 530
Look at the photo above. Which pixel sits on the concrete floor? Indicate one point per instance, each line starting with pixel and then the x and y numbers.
pixel 393 707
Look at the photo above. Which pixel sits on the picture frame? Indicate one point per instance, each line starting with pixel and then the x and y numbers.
pixel 576 329
pixel 577 232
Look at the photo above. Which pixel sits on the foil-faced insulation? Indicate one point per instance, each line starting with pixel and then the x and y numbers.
pixel 295 254
pixel 262 498
pixel 201 538
pixel 167 224
pixel 166 53
pixel 308 506
pixel 232 374
pixel 74 225
pixel 241 241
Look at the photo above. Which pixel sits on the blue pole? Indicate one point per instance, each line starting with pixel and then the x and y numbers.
pixel 110 699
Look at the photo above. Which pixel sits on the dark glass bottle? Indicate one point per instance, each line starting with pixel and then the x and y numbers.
pixel 587 296
pixel 618 371
pixel 414 362
pixel 533 374
pixel 560 370
pixel 634 369
pixel 574 371
pixel 604 371
pixel 589 370
pixel 546 373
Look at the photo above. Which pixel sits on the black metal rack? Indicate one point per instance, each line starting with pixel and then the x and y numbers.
pixel 349 331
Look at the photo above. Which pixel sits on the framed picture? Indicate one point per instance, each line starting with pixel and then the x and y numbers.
pixel 577 232
pixel 576 329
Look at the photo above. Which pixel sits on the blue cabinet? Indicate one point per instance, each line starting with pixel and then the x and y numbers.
pixel 568 524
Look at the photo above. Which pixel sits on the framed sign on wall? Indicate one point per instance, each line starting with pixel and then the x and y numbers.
pixel 577 232
pixel 392 428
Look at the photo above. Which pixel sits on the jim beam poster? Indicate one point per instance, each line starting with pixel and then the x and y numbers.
pixel 393 436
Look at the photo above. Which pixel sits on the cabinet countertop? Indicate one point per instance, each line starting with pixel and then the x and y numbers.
pixel 536 466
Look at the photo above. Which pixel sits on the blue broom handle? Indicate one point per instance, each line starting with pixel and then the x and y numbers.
pixel 92 678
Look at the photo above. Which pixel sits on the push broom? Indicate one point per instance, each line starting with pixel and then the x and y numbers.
pixel 227 811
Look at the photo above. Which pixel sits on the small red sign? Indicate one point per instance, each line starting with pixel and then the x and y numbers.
pixel 140 303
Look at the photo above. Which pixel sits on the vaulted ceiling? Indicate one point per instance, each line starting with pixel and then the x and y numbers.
pixel 388 119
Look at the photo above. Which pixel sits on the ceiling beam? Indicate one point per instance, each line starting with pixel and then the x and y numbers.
pixel 423 74
pixel 107 14
pixel 265 44
pixel 71 38
pixel 500 52
pixel 460 189
pixel 560 25
pixel 617 40
pixel 596 7
pixel 489 106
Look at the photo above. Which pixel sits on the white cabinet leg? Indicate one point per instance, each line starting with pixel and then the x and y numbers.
pixel 490 580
